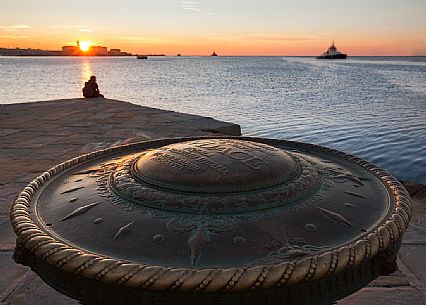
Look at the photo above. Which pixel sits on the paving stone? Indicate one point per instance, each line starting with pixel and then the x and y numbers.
pixel 146 111
pixel 415 234
pixel 10 272
pixel 419 212
pixel 384 296
pixel 42 139
pixel 7 236
pixel 74 118
pixel 5 204
pixel 7 152
pixel 417 191
pixel 414 258
pixel 12 170
pixel 99 117
pixel 123 114
pixel 135 139
pixel 87 123
pixel 80 139
pixel 56 129
pixel 10 189
pixel 177 116
pixel 137 122
pixel 6 132
pixel 210 125
pixel 18 137
pixel 29 289
pixel 390 281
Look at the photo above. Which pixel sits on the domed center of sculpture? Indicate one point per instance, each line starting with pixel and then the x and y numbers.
pixel 216 166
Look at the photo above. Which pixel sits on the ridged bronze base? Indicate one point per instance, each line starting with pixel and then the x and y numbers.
pixel 325 291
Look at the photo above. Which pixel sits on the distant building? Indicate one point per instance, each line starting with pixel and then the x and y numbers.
pixel 97 51
pixel 28 52
pixel 66 51
pixel 92 51
pixel 117 52
pixel 70 51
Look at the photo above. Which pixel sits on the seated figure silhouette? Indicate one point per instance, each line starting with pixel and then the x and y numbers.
pixel 91 88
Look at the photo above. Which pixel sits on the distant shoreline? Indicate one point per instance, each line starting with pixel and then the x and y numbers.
pixel 163 55
pixel 206 55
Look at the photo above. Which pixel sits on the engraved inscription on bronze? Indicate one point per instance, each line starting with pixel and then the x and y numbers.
pixel 213 166
pixel 124 182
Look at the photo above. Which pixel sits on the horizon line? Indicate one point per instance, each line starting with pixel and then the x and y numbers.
pixel 201 55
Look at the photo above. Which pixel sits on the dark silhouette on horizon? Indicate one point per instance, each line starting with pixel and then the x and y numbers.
pixel 66 51
pixel 332 53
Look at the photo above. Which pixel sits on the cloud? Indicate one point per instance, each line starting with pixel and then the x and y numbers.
pixel 151 40
pixel 194 6
pixel 141 39
pixel 80 27
pixel 195 9
pixel 278 37
pixel 214 15
pixel 67 26
pixel 14 37
pixel 190 6
pixel 15 27
pixel 272 37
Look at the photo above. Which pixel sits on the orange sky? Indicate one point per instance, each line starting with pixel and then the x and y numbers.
pixel 229 27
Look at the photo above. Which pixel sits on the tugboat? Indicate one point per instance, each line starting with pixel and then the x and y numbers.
pixel 214 54
pixel 332 53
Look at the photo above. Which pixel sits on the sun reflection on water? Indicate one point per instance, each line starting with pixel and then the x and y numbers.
pixel 86 72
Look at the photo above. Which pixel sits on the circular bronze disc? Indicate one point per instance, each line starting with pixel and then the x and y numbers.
pixel 205 217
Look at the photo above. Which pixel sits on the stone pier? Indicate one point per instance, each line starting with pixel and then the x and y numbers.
pixel 37 136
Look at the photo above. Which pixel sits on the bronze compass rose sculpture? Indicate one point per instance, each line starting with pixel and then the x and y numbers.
pixel 217 220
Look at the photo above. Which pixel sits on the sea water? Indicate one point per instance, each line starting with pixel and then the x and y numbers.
pixel 373 107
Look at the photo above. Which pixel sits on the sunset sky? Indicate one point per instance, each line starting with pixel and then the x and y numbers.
pixel 230 27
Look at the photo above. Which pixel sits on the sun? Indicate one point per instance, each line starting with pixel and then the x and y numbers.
pixel 85 46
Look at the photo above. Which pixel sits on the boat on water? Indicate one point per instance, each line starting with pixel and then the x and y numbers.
pixel 141 57
pixel 214 54
pixel 332 53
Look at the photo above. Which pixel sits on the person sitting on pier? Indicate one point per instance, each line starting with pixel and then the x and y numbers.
pixel 91 88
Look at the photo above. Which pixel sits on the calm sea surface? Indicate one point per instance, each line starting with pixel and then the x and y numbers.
pixel 373 107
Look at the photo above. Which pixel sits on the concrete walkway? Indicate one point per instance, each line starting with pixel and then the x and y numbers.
pixel 37 136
